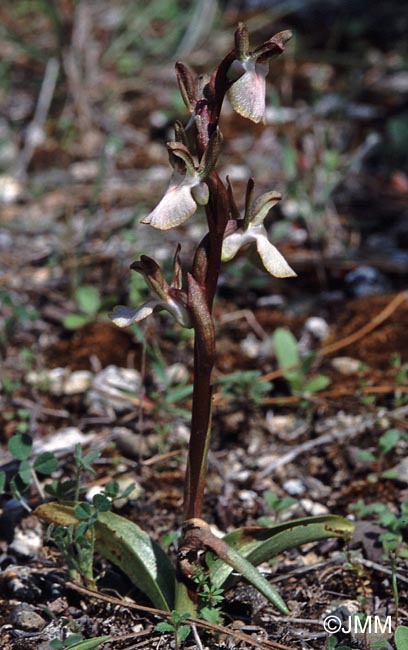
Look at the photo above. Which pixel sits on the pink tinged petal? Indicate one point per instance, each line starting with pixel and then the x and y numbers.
pixel 272 259
pixel 176 206
pixel 123 317
pixel 247 94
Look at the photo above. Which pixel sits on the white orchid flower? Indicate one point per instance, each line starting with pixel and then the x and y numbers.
pixel 250 232
pixel 187 189
pixel 167 297
pixel 248 72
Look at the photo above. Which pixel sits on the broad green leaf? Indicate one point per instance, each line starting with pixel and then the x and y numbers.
pixel 90 644
pixel 88 299
pixel 258 544
pixel 2 481
pixel 45 463
pixel 401 637
pixel 20 445
pixel 126 545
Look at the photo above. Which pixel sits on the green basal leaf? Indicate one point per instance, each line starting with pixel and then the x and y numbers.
pixel 126 545
pixel 401 637
pixel 236 561
pixel 258 544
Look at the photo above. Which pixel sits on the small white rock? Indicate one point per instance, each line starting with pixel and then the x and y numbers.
pixel 62 440
pixel 27 542
pixel 177 373
pixel 11 190
pixel 280 424
pixel 318 327
pixel 294 486
pixel 313 508
pixel 115 388
pixel 50 381
pixel 77 382
pixel 346 365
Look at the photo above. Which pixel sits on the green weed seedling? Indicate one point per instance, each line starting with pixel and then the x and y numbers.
pixel 393 542
pixel 174 625
pixel 196 187
pixel 89 303
pixel 296 369
pixel 244 385
pixel 279 506
pixel 20 447
pixel 385 444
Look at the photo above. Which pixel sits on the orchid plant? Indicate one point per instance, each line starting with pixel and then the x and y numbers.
pixel 194 183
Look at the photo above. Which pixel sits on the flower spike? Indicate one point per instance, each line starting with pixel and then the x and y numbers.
pixel 251 232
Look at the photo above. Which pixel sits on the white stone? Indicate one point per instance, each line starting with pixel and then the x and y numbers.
pixel 346 365
pixel 113 388
pixel 10 189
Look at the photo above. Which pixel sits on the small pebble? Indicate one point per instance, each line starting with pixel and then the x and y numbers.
pixel 318 327
pixel 312 508
pixel 27 542
pixel 62 440
pixel 294 486
pixel 346 365
pixel 113 388
pixel 27 619
pixel 11 190
pixel 77 382
pixel 280 424
pixel 129 443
